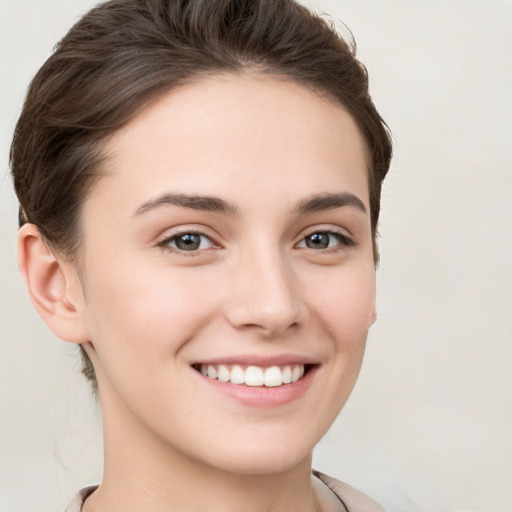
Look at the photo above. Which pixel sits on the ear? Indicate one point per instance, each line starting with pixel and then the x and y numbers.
pixel 53 285
pixel 374 315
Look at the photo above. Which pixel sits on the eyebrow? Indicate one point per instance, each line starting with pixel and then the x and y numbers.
pixel 312 204
pixel 322 202
pixel 204 203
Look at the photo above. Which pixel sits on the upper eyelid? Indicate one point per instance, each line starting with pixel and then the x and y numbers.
pixel 218 240
pixel 324 228
pixel 342 237
pixel 165 245
pixel 167 239
pixel 170 233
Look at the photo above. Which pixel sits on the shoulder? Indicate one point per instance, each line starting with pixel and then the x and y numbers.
pixel 354 500
pixel 79 498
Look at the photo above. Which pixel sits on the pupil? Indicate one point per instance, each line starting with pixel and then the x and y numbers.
pixel 318 241
pixel 188 242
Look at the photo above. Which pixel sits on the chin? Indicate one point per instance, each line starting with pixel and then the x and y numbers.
pixel 262 464
pixel 263 454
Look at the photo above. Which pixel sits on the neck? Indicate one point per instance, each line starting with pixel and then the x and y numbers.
pixel 142 473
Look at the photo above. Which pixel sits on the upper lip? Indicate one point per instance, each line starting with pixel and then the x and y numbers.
pixel 259 360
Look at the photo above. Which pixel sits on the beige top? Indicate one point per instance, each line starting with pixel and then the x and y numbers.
pixel 351 499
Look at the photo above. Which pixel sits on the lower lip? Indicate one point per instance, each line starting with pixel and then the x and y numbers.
pixel 262 396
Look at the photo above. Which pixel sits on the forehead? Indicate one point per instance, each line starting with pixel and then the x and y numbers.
pixel 230 133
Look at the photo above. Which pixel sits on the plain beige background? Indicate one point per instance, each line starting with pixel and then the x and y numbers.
pixel 429 425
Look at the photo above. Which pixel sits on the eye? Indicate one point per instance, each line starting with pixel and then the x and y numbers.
pixel 321 240
pixel 187 242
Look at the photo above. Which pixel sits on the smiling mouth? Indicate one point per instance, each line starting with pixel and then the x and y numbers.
pixel 254 376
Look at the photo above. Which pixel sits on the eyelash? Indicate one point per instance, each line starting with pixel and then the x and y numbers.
pixel 342 238
pixel 343 242
pixel 165 243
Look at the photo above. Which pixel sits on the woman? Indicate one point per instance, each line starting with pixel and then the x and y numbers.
pixel 199 186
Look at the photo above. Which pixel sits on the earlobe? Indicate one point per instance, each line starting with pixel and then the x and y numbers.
pixel 49 286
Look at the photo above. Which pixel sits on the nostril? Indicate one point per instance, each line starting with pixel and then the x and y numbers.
pixel 270 307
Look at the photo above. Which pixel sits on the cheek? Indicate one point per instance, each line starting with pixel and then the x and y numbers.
pixel 145 316
pixel 138 328
pixel 347 306
pixel 344 312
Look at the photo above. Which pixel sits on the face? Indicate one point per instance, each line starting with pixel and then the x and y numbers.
pixel 230 240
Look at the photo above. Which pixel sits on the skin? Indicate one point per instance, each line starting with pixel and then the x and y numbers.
pixel 146 311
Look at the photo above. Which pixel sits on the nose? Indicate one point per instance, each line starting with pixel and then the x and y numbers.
pixel 263 295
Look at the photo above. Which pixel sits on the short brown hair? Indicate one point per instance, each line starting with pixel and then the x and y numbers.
pixel 124 53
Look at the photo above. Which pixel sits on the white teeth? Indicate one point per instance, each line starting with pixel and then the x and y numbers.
pixel 254 376
pixel 287 375
pixel 223 374
pixel 274 376
pixel 212 372
pixel 237 375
